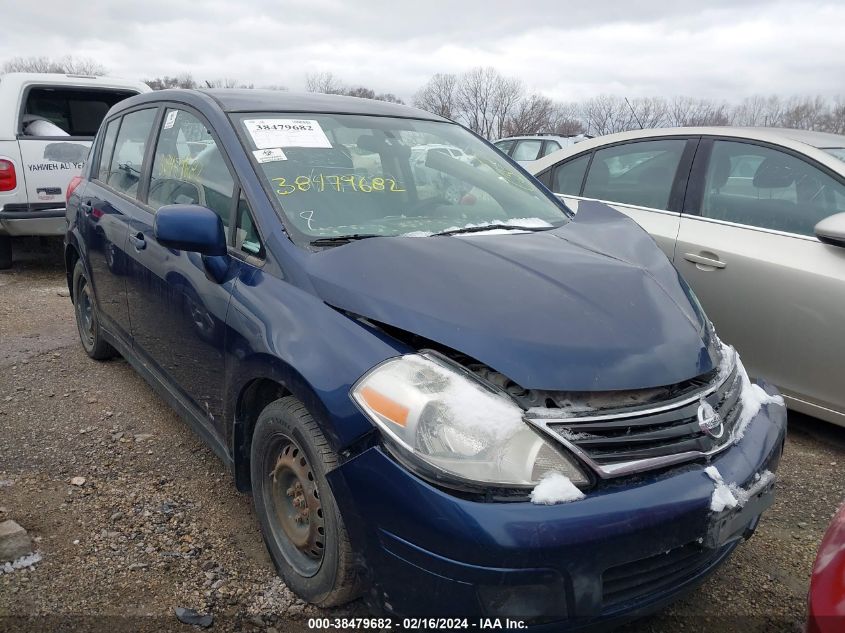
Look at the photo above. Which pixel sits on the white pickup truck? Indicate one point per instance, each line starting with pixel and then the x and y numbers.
pixel 47 123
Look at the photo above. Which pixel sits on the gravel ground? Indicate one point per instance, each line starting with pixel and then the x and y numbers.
pixel 157 523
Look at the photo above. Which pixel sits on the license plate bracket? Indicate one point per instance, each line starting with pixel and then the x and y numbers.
pixel 730 524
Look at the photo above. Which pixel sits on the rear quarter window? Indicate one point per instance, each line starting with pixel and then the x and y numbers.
pixel 67 111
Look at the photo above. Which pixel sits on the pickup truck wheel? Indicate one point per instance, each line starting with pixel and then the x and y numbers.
pixel 86 317
pixel 5 252
pixel 300 521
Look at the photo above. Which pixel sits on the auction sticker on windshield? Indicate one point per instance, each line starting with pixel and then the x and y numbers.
pixel 269 133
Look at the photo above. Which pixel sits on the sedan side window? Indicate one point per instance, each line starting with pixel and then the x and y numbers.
pixel 527 150
pixel 640 173
pixel 188 167
pixel 567 177
pixel 763 187
pixel 127 160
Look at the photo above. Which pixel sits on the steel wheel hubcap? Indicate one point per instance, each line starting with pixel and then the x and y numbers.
pixel 296 502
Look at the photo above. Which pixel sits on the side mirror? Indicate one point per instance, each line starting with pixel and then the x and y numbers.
pixel 831 230
pixel 190 227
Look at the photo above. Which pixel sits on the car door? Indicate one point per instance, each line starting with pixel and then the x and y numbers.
pixel 747 248
pixel 177 311
pixel 645 179
pixel 108 204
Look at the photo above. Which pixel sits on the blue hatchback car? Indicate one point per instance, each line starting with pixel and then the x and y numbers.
pixel 445 391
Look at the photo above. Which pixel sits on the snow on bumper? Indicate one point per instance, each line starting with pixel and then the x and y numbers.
pixel 431 552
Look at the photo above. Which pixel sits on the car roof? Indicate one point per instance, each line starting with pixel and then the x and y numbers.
pixel 804 141
pixel 249 100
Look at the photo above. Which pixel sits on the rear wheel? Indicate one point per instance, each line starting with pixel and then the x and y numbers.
pixel 5 252
pixel 87 321
pixel 300 520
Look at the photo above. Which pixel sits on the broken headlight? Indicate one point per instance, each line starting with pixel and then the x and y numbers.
pixel 447 418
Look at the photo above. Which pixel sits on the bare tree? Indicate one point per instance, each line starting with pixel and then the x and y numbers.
pixel 162 83
pixel 66 65
pixel 686 111
pixel 438 96
pixel 324 82
pixel 565 120
pixel 485 99
pixel 532 115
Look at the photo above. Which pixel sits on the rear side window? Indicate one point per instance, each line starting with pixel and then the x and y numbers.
pixel 189 168
pixel 550 146
pixel 504 146
pixel 763 187
pixel 527 150
pixel 640 173
pixel 127 160
pixel 567 177
pixel 107 149
pixel 58 111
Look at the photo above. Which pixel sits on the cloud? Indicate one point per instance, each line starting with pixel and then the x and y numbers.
pixel 566 50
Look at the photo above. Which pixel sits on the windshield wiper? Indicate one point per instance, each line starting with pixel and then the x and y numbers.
pixel 336 240
pixel 490 227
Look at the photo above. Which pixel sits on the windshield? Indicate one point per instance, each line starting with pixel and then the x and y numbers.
pixel 341 175
pixel 839 152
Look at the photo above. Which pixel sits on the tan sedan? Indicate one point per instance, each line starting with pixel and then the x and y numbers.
pixel 754 219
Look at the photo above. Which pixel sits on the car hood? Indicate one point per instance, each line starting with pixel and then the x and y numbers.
pixel 591 306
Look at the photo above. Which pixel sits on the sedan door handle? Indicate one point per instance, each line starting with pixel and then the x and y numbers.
pixel 138 241
pixel 704 261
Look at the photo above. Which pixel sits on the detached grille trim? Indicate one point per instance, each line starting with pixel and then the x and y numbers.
pixel 636 439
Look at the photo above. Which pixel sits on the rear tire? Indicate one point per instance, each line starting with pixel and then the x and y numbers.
pixel 299 518
pixel 87 321
pixel 5 252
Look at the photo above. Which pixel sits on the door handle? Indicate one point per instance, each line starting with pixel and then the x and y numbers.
pixel 138 241
pixel 87 207
pixel 704 261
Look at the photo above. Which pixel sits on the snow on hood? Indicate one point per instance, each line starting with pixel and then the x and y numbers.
pixel 592 305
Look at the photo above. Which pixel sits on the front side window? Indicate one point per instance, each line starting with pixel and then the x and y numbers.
pixel 341 175
pixel 127 161
pixel 567 177
pixel 246 235
pixel 527 150
pixel 188 167
pixel 763 187
pixel 639 173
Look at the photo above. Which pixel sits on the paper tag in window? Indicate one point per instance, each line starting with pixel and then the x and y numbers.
pixel 269 155
pixel 171 119
pixel 269 133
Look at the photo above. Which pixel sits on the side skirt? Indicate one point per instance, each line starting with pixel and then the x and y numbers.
pixel 185 410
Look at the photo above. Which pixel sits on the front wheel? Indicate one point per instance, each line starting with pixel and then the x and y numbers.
pixel 87 321
pixel 300 521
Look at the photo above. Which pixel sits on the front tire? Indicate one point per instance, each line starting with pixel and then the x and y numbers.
pixel 300 521
pixel 87 321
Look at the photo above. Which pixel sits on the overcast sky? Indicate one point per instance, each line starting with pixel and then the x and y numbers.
pixel 568 50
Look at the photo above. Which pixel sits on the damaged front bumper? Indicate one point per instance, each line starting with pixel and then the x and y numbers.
pixel 631 546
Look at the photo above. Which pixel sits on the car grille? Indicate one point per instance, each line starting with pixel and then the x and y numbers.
pixel 654 575
pixel 633 439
